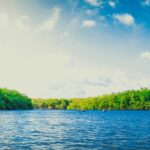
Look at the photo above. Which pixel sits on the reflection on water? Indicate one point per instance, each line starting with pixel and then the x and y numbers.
pixel 75 130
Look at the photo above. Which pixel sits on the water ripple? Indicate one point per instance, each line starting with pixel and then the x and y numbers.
pixel 74 130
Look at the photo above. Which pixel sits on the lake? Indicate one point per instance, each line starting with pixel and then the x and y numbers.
pixel 74 130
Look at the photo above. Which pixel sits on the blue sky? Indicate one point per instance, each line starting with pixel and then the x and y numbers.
pixel 74 48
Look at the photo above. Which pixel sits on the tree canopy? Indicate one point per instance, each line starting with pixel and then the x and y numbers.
pixel 127 100
pixel 12 100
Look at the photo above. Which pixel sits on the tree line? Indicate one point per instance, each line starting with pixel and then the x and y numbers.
pixel 13 100
pixel 127 100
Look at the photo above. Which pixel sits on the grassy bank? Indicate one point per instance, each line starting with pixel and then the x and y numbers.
pixel 127 100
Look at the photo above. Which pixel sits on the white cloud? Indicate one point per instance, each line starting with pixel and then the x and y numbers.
pixel 42 65
pixel 88 23
pixel 112 3
pixel 94 2
pixel 21 23
pixel 51 23
pixel 3 19
pixel 42 68
pixel 145 56
pixel 126 19
pixel 92 12
pixel 66 34
pixel 145 3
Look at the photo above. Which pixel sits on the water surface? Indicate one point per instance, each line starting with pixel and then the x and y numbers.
pixel 75 130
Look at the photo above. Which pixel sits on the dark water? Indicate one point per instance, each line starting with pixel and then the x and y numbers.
pixel 75 130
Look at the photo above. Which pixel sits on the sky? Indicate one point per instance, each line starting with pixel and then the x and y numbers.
pixel 74 48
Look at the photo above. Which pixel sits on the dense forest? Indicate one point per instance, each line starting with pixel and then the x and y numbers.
pixel 128 100
pixel 13 100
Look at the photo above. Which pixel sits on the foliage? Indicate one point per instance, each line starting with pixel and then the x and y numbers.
pixel 128 100
pixel 12 100
pixel 50 103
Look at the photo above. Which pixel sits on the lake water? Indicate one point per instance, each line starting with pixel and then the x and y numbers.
pixel 74 130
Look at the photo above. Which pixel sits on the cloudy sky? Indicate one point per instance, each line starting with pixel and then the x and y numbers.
pixel 74 48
